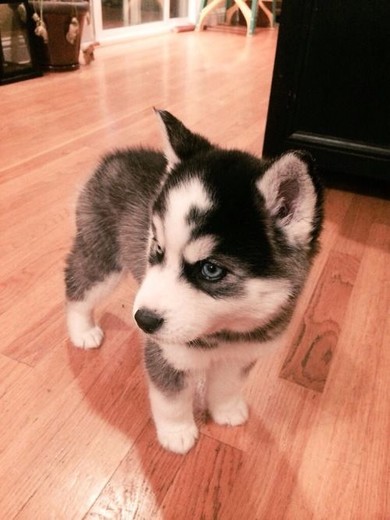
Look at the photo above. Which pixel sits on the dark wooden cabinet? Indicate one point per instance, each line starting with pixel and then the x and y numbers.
pixel 331 85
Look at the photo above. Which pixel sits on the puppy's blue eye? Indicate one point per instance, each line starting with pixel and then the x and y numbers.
pixel 211 271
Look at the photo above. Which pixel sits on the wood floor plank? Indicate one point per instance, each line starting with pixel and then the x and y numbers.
pixel 214 466
pixel 70 460
pixel 137 488
pixel 11 372
pixel 374 501
pixel 267 481
pixel 364 393
pixel 90 460
pixel 336 457
pixel 315 340
pixel 312 349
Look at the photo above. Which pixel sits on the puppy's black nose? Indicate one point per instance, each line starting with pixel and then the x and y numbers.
pixel 148 320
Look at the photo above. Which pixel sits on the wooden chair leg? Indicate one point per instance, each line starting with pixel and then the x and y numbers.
pixel 250 14
pixel 230 12
pixel 267 12
pixel 205 11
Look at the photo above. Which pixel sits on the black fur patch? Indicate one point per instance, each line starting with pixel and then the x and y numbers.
pixel 238 217
pixel 165 377
pixel 183 141
pixel 204 343
pixel 246 370
pixel 156 254
pixel 195 216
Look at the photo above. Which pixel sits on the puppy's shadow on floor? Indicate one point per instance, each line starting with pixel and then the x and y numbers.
pixel 113 382
pixel 142 477
pixel 110 376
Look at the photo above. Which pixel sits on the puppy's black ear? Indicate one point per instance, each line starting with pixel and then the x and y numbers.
pixel 293 197
pixel 179 142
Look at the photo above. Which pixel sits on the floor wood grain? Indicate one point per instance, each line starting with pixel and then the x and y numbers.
pixel 76 438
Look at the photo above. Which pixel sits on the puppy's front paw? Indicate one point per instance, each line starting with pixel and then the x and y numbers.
pixel 91 338
pixel 232 413
pixel 179 441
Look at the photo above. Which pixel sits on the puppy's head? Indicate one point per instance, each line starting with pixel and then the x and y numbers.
pixel 231 238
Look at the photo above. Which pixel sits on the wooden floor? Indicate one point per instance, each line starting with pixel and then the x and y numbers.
pixel 76 439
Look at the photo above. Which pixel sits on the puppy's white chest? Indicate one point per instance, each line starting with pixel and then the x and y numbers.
pixel 183 357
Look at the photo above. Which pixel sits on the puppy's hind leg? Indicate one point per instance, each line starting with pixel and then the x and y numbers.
pixel 85 287
pixel 83 331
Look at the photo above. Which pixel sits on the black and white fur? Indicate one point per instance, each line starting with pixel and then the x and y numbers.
pixel 221 243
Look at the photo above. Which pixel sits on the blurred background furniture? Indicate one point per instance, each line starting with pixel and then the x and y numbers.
pixel 249 12
pixel 17 53
pixel 59 53
pixel 330 91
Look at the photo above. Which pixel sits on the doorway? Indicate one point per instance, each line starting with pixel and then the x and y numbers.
pixel 118 19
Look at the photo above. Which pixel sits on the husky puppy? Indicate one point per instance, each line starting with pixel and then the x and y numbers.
pixel 221 243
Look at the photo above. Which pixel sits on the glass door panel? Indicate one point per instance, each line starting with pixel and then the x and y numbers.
pixel 178 8
pixel 126 13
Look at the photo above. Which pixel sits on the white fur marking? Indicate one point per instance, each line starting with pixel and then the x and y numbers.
pixel 173 417
pixel 199 249
pixel 181 199
pixel 224 398
pixel 169 152
pixel 81 328
pixel 231 413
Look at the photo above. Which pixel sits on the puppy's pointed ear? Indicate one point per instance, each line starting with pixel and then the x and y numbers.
pixel 179 142
pixel 293 197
